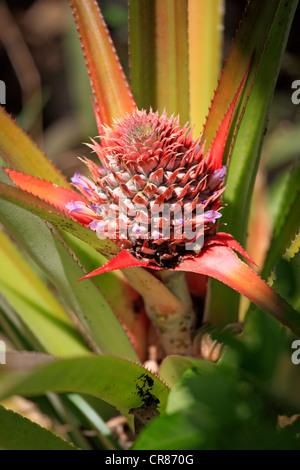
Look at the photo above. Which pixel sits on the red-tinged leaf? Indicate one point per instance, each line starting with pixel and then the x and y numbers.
pixel 98 119
pixel 56 217
pixel 55 195
pixel 221 263
pixel 123 260
pixel 218 145
pixel 250 36
pixel 223 238
pixel 22 154
pixel 110 88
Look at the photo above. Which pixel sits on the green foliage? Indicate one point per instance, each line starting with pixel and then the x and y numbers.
pixel 247 142
pixel 133 388
pixel 234 404
pixel 286 224
pixel 286 275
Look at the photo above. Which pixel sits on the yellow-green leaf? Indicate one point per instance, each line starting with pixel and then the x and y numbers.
pixel 22 154
pixel 36 306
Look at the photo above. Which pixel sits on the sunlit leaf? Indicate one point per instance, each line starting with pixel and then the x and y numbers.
pixel 36 306
pixel 124 384
pixel 205 55
pixel 22 154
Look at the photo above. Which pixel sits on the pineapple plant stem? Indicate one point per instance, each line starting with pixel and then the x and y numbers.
pixel 182 322
pixel 172 314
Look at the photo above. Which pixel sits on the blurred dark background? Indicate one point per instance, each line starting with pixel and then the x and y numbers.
pixel 48 88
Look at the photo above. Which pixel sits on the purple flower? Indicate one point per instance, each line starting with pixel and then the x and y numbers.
pixel 217 177
pixel 211 216
pixel 83 182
